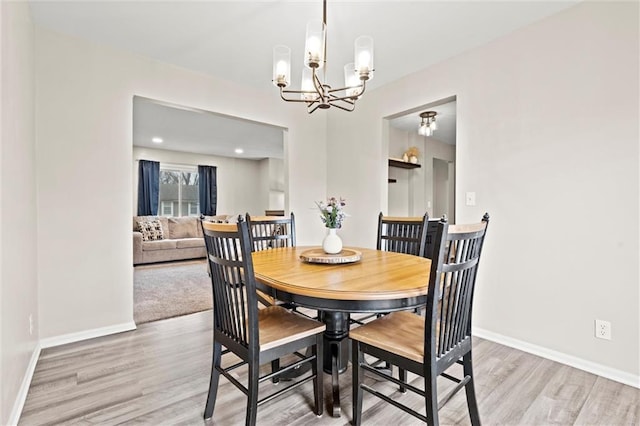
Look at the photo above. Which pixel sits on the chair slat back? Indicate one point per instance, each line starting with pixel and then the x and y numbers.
pixel 451 287
pixel 271 231
pixel 402 234
pixel 233 284
pixel 430 238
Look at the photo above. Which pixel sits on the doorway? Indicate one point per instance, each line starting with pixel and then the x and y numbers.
pixel 427 184
pixel 443 188
pixel 250 163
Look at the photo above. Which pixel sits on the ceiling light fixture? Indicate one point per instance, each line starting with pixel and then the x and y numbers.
pixel 314 92
pixel 156 140
pixel 428 123
pixel 239 151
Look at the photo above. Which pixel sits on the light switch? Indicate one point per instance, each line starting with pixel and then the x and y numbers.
pixel 471 198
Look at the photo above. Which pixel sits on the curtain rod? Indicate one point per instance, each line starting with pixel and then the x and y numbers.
pixel 166 164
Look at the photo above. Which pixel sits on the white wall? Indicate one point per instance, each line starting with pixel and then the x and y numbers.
pixel 398 204
pixel 413 192
pixel 18 255
pixel 562 191
pixel 240 187
pixel 276 184
pixel 432 149
pixel 84 137
pixel 526 107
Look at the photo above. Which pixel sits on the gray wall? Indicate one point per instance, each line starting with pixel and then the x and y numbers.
pixel 560 189
pixel 18 206
pixel 562 247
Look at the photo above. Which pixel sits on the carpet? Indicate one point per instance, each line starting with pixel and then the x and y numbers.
pixel 170 290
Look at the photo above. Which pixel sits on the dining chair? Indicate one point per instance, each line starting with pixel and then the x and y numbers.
pixel 399 234
pixel 402 234
pixel 430 235
pixel 268 232
pixel 271 231
pixel 256 336
pixel 427 346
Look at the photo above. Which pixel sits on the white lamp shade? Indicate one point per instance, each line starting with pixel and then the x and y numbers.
pixel 351 80
pixel 364 57
pixel 308 86
pixel 425 130
pixel 314 44
pixel 281 66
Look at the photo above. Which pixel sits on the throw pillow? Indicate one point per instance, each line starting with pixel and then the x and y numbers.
pixel 183 227
pixel 151 230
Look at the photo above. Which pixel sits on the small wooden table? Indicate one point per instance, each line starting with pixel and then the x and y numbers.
pixel 379 282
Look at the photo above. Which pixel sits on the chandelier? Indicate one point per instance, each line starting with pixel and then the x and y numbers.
pixel 314 91
pixel 428 123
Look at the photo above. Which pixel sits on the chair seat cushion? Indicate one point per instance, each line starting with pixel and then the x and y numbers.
pixel 279 326
pixel 401 333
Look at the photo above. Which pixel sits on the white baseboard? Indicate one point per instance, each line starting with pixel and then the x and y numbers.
pixel 24 387
pixel 87 334
pixel 570 360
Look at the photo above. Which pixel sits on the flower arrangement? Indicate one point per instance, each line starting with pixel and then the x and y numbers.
pixel 413 151
pixel 331 212
pixel 411 155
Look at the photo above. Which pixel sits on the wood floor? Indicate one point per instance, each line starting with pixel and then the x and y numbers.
pixel 159 373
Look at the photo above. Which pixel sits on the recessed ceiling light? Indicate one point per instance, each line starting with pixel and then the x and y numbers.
pixel 156 140
pixel 239 150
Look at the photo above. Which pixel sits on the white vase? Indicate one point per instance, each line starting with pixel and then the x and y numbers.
pixel 332 243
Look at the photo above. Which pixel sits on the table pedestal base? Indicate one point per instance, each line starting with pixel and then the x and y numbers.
pixel 335 351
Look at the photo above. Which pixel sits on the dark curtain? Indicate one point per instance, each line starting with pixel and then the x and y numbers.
pixel 208 189
pixel 148 187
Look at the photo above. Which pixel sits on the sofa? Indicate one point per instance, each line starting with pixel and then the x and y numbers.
pixel 162 239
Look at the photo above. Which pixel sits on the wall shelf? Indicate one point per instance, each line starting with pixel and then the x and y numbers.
pixel 402 164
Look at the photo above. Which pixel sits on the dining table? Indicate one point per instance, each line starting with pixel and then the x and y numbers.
pixel 356 280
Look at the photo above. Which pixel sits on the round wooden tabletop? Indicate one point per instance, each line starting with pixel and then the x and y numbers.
pixel 377 277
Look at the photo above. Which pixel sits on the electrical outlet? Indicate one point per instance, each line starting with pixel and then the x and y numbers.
pixel 470 198
pixel 30 324
pixel 603 329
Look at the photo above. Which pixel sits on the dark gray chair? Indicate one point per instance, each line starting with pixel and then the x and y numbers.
pixel 398 234
pixel 271 231
pixel 430 235
pixel 256 336
pixel 427 346
pixel 267 232
pixel 402 234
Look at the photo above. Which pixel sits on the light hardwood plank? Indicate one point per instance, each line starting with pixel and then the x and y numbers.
pixel 159 375
pixel 562 398
pixel 610 400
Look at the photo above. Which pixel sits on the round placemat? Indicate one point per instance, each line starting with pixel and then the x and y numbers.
pixel 317 255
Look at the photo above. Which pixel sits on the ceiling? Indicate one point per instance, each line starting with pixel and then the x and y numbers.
pixel 445 119
pixel 203 132
pixel 233 40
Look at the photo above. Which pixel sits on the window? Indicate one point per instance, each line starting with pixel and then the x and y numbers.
pixel 166 208
pixel 179 191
